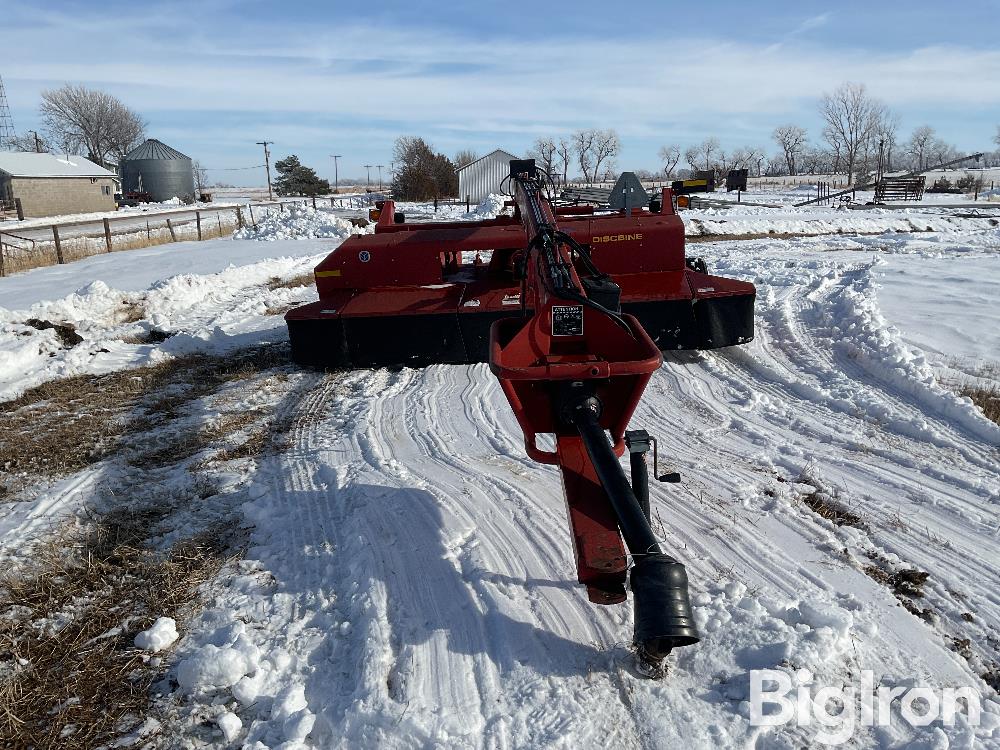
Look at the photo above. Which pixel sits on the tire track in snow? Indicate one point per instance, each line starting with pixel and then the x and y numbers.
pixel 437 603
pixel 788 431
pixel 517 537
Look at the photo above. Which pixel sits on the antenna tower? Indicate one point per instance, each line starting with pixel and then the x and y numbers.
pixel 6 121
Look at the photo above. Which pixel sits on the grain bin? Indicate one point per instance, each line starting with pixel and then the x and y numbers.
pixel 155 168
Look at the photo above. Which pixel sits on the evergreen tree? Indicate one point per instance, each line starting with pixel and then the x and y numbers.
pixel 296 179
pixel 422 174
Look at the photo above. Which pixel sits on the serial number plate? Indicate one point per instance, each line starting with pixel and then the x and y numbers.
pixel 567 320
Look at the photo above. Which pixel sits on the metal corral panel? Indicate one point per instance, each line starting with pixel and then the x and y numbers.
pixel 165 173
pixel 484 176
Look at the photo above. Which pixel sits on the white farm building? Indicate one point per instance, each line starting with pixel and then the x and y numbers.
pixel 479 178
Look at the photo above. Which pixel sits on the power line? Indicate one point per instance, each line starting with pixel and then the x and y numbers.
pixel 231 169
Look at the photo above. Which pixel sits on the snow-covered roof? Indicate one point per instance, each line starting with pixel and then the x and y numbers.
pixel 503 154
pixel 30 164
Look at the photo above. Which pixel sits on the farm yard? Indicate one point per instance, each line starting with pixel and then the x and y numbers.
pixel 242 552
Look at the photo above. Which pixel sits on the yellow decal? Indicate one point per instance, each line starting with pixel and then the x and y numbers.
pixel 327 274
pixel 615 238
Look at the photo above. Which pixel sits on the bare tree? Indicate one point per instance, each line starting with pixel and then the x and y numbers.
pixel 888 133
pixel 583 145
pixel 544 151
pixel 606 148
pixel 940 151
pixel 851 116
pixel 692 154
pixel 996 138
pixel 30 141
pixel 81 118
pixel 200 176
pixel 565 150
pixel 670 155
pixel 755 158
pixel 792 140
pixel 710 149
pixel 465 156
pixel 920 144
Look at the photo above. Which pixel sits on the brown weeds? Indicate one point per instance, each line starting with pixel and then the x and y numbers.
pixel 70 675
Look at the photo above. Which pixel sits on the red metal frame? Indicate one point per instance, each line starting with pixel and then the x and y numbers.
pixel 530 362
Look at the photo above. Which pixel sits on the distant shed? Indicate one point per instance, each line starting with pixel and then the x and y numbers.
pixel 55 184
pixel 484 176
pixel 155 168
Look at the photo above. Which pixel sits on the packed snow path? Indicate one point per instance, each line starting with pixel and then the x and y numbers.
pixel 425 568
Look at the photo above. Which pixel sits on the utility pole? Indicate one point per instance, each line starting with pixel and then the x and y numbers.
pixel 368 181
pixel 336 175
pixel 38 142
pixel 380 176
pixel 267 165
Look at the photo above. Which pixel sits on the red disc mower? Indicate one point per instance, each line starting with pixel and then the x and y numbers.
pixel 572 307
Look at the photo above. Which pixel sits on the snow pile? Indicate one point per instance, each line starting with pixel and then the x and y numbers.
pixel 252 682
pixel 212 312
pixel 857 330
pixel 490 206
pixel 807 221
pixel 299 222
pixel 161 635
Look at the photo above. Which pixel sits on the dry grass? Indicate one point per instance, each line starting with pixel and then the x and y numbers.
pixel 987 398
pixel 173 446
pixel 906 584
pixel 825 505
pixel 303 279
pixel 66 425
pixel 70 675
pixel 280 309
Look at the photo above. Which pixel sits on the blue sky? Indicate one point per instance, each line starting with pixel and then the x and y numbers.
pixel 318 78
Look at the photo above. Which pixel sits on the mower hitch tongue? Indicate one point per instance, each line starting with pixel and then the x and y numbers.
pixel 572 311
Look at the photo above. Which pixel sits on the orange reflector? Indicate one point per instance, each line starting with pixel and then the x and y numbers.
pixel 683 201
pixel 374 213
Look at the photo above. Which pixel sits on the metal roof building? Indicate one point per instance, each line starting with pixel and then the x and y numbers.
pixel 30 164
pixel 54 184
pixel 480 178
pixel 155 168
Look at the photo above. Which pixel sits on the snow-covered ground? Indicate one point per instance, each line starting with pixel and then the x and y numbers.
pixel 410 580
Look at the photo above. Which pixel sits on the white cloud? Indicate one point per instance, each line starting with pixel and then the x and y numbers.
pixel 419 81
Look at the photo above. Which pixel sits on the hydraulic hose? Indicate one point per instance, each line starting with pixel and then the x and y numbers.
pixel 632 521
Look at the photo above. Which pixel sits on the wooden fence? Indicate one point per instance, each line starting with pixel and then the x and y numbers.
pixel 64 242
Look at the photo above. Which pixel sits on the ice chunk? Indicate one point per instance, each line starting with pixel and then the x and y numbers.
pixel 230 725
pixel 159 636
pixel 212 667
